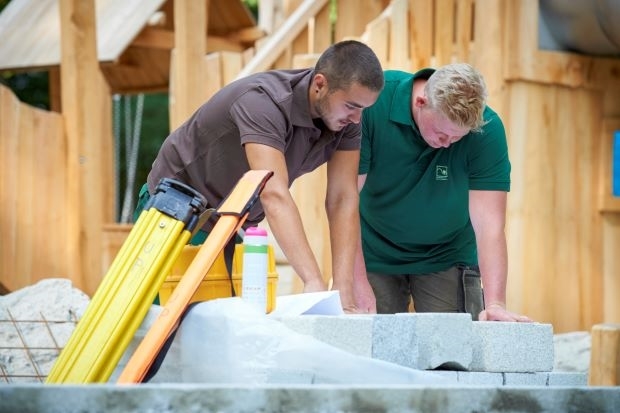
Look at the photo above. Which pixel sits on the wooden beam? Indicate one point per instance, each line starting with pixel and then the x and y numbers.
pixel 154 38
pixel 463 34
pixel 605 355
pixel 421 33
pixel 54 89
pixel 218 43
pixel 377 37
pixel 247 35
pixel 489 49
pixel 352 16
pixel 443 32
pixel 399 36
pixel 187 73
pixel 277 43
pixel 83 99
pixel 321 38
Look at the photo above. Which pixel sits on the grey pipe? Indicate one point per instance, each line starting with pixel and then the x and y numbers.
pixel 590 27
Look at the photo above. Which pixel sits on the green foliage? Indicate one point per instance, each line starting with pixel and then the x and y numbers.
pixel 154 130
pixel 31 88
pixel 253 6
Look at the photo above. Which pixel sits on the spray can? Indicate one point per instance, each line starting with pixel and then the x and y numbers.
pixel 254 274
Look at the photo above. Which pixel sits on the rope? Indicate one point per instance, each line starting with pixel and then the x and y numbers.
pixel 116 101
pixel 132 145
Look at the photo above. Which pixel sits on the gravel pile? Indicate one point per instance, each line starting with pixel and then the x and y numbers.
pixel 35 323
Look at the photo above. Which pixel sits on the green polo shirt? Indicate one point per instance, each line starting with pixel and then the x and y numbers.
pixel 414 206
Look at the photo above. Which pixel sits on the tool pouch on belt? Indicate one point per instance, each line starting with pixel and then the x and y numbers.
pixel 472 291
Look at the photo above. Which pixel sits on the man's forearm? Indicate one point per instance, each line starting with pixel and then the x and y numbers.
pixel 344 233
pixel 287 228
pixel 493 262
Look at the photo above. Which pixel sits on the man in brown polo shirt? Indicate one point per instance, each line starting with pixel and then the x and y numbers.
pixel 289 122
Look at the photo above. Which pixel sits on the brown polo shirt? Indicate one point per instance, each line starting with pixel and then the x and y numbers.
pixel 270 108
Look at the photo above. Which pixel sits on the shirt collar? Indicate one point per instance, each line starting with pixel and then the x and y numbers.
pixel 300 115
pixel 402 113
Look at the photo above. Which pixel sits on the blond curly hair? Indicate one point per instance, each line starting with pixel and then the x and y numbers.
pixel 459 92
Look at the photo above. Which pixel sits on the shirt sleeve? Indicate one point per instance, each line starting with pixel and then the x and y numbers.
pixel 365 150
pixel 351 138
pixel 259 120
pixel 489 164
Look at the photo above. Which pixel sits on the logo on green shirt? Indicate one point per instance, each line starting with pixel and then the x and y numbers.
pixel 441 173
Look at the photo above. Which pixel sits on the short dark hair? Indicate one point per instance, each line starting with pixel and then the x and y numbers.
pixel 348 62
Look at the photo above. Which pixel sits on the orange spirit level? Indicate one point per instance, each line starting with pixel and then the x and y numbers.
pixel 232 214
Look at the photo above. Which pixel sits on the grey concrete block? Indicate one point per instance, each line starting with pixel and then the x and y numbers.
pixel 351 333
pixel 572 351
pixel 394 340
pixel 525 379
pixel 567 379
pixel 451 375
pixel 424 341
pixel 197 397
pixel 479 378
pixel 512 347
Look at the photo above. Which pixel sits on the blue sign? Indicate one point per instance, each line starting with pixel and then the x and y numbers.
pixel 615 166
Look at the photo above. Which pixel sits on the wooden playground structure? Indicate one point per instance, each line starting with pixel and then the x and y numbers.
pixel 559 109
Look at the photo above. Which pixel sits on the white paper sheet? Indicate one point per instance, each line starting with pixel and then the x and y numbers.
pixel 321 303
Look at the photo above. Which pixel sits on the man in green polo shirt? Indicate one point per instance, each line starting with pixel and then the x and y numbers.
pixel 433 178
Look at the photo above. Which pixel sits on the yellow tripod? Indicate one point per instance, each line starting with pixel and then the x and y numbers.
pixel 127 290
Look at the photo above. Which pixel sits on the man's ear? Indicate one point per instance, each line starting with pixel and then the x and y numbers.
pixel 320 81
pixel 420 101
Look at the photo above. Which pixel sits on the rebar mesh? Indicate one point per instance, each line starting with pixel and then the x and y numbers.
pixel 30 347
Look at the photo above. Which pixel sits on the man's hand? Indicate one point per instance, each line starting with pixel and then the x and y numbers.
pixel 361 301
pixel 352 309
pixel 365 300
pixel 497 312
pixel 314 285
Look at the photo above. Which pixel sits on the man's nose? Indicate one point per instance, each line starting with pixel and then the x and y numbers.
pixel 356 116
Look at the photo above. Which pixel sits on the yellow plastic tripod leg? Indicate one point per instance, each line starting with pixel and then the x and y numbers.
pixel 122 300
pixel 233 213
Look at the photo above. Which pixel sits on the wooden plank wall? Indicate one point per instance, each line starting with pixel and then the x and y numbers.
pixel 33 192
pixel 558 104
pixel 553 224
pixel 57 169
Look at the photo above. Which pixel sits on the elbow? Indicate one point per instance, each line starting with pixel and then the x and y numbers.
pixel 273 200
pixel 344 202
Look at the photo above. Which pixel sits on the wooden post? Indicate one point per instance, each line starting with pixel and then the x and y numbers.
pixel 321 38
pixel 420 33
pixel 605 355
pixel 489 49
pixel 399 36
pixel 189 89
pixel 352 16
pixel 86 112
